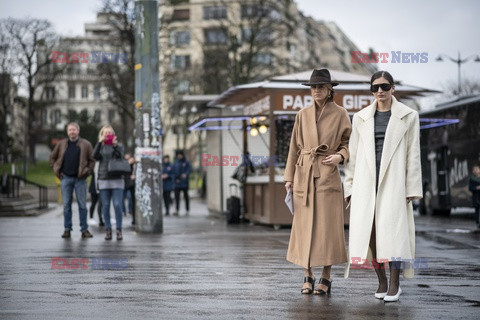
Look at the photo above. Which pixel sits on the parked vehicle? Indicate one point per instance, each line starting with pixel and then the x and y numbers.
pixel 450 146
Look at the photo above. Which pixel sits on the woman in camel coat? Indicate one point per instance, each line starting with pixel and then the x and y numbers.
pixel 382 177
pixel 318 144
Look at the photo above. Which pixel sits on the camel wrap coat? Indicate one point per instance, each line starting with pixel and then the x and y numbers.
pixel 317 237
pixel 399 178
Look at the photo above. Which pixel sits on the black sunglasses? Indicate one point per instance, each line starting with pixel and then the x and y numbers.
pixel 384 86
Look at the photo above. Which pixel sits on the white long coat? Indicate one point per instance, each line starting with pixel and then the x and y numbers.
pixel 399 178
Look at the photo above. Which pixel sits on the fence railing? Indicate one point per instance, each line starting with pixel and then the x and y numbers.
pixel 13 190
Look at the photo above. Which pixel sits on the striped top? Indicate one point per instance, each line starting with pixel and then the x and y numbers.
pixel 381 123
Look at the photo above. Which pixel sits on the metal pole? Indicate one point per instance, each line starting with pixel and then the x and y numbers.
pixel 459 62
pixel 148 147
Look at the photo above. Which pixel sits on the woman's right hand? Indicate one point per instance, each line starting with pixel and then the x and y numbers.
pixel 288 186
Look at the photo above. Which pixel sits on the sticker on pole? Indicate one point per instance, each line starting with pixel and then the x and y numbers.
pixel 148 153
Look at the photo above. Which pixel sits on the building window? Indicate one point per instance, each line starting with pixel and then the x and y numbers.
pixel 181 14
pixel 180 38
pixel 111 115
pixel 264 34
pixel 274 14
pixel 50 93
pixel 84 92
pixel 215 36
pixel 57 116
pixel 182 87
pixel 255 10
pixel 97 115
pixel 43 116
pixel 292 49
pixel 179 62
pixel 210 13
pixel 96 92
pixel 71 92
pixel 177 2
pixel 263 59
pixel 246 34
pixel 249 10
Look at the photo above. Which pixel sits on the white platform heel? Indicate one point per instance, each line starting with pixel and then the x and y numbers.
pixel 393 298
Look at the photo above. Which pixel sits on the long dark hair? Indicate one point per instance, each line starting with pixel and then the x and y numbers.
pixel 382 74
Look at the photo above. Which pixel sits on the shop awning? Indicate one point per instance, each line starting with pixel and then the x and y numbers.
pixel 244 94
pixel 285 95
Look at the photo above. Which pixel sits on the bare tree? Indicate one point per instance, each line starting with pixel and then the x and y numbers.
pixel 6 62
pixel 237 48
pixel 119 78
pixel 469 86
pixel 250 46
pixel 32 41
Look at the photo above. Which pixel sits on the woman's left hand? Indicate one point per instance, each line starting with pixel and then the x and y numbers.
pixel 332 160
pixel 115 142
pixel 410 199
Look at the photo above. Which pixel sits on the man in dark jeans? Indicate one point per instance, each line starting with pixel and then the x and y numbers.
pixel 182 171
pixel 72 162
pixel 474 187
pixel 168 179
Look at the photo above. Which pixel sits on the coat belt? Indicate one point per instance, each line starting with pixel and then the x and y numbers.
pixel 322 150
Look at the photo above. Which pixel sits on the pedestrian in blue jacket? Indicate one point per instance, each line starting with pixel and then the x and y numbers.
pixel 182 170
pixel 168 177
pixel 474 187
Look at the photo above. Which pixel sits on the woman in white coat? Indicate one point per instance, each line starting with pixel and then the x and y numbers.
pixel 383 176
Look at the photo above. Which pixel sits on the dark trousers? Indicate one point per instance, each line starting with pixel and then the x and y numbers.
pixel 177 198
pixel 477 209
pixel 131 203
pixel 167 201
pixel 96 199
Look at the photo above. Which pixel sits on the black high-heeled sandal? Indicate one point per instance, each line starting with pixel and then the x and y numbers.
pixel 312 282
pixel 325 282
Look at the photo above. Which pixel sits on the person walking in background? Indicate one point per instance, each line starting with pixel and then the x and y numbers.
pixel 382 178
pixel 474 187
pixel 111 187
pixel 319 143
pixel 129 192
pixel 168 178
pixel 95 197
pixel 182 171
pixel 72 162
pixel 4 183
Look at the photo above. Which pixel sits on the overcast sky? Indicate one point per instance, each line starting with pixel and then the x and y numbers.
pixel 435 27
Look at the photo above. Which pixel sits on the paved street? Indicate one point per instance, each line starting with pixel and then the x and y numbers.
pixel 199 268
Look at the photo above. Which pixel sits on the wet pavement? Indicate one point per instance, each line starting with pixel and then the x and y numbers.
pixel 200 268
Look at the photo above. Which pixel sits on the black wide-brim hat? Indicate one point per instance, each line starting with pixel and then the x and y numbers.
pixel 320 76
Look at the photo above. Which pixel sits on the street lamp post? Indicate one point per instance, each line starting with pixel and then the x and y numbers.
pixel 459 62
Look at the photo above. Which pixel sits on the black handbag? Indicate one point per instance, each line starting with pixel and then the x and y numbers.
pixel 118 166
